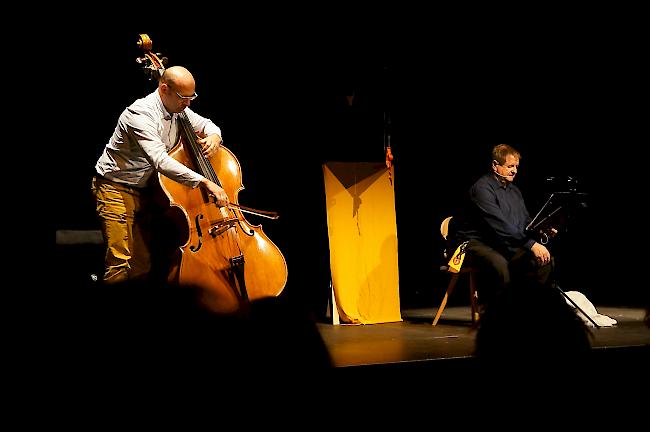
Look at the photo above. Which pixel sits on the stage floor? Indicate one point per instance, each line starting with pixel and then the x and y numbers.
pixel 415 340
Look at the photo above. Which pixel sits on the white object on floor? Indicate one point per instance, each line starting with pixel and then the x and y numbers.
pixel 583 303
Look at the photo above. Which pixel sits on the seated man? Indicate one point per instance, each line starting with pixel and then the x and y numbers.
pixel 494 221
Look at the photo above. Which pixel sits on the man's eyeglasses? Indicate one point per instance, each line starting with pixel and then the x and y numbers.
pixel 190 98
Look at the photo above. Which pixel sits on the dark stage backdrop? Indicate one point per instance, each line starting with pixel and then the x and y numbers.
pixel 282 98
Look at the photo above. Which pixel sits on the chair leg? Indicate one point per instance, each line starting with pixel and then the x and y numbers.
pixel 450 288
pixel 473 298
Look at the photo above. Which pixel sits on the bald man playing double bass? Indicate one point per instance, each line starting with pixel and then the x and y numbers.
pixel 138 149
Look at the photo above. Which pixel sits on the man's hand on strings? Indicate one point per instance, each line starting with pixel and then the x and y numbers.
pixel 210 144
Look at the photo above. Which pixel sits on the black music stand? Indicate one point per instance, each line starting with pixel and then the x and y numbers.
pixel 556 212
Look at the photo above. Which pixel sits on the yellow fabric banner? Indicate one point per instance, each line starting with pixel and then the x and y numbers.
pixel 363 242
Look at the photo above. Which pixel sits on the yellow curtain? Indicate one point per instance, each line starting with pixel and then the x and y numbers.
pixel 363 241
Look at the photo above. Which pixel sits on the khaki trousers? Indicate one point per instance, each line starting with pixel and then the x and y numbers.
pixel 122 211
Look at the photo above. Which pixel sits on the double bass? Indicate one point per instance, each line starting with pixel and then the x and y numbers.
pixel 229 260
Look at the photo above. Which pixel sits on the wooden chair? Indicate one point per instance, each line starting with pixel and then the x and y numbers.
pixel 466 269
